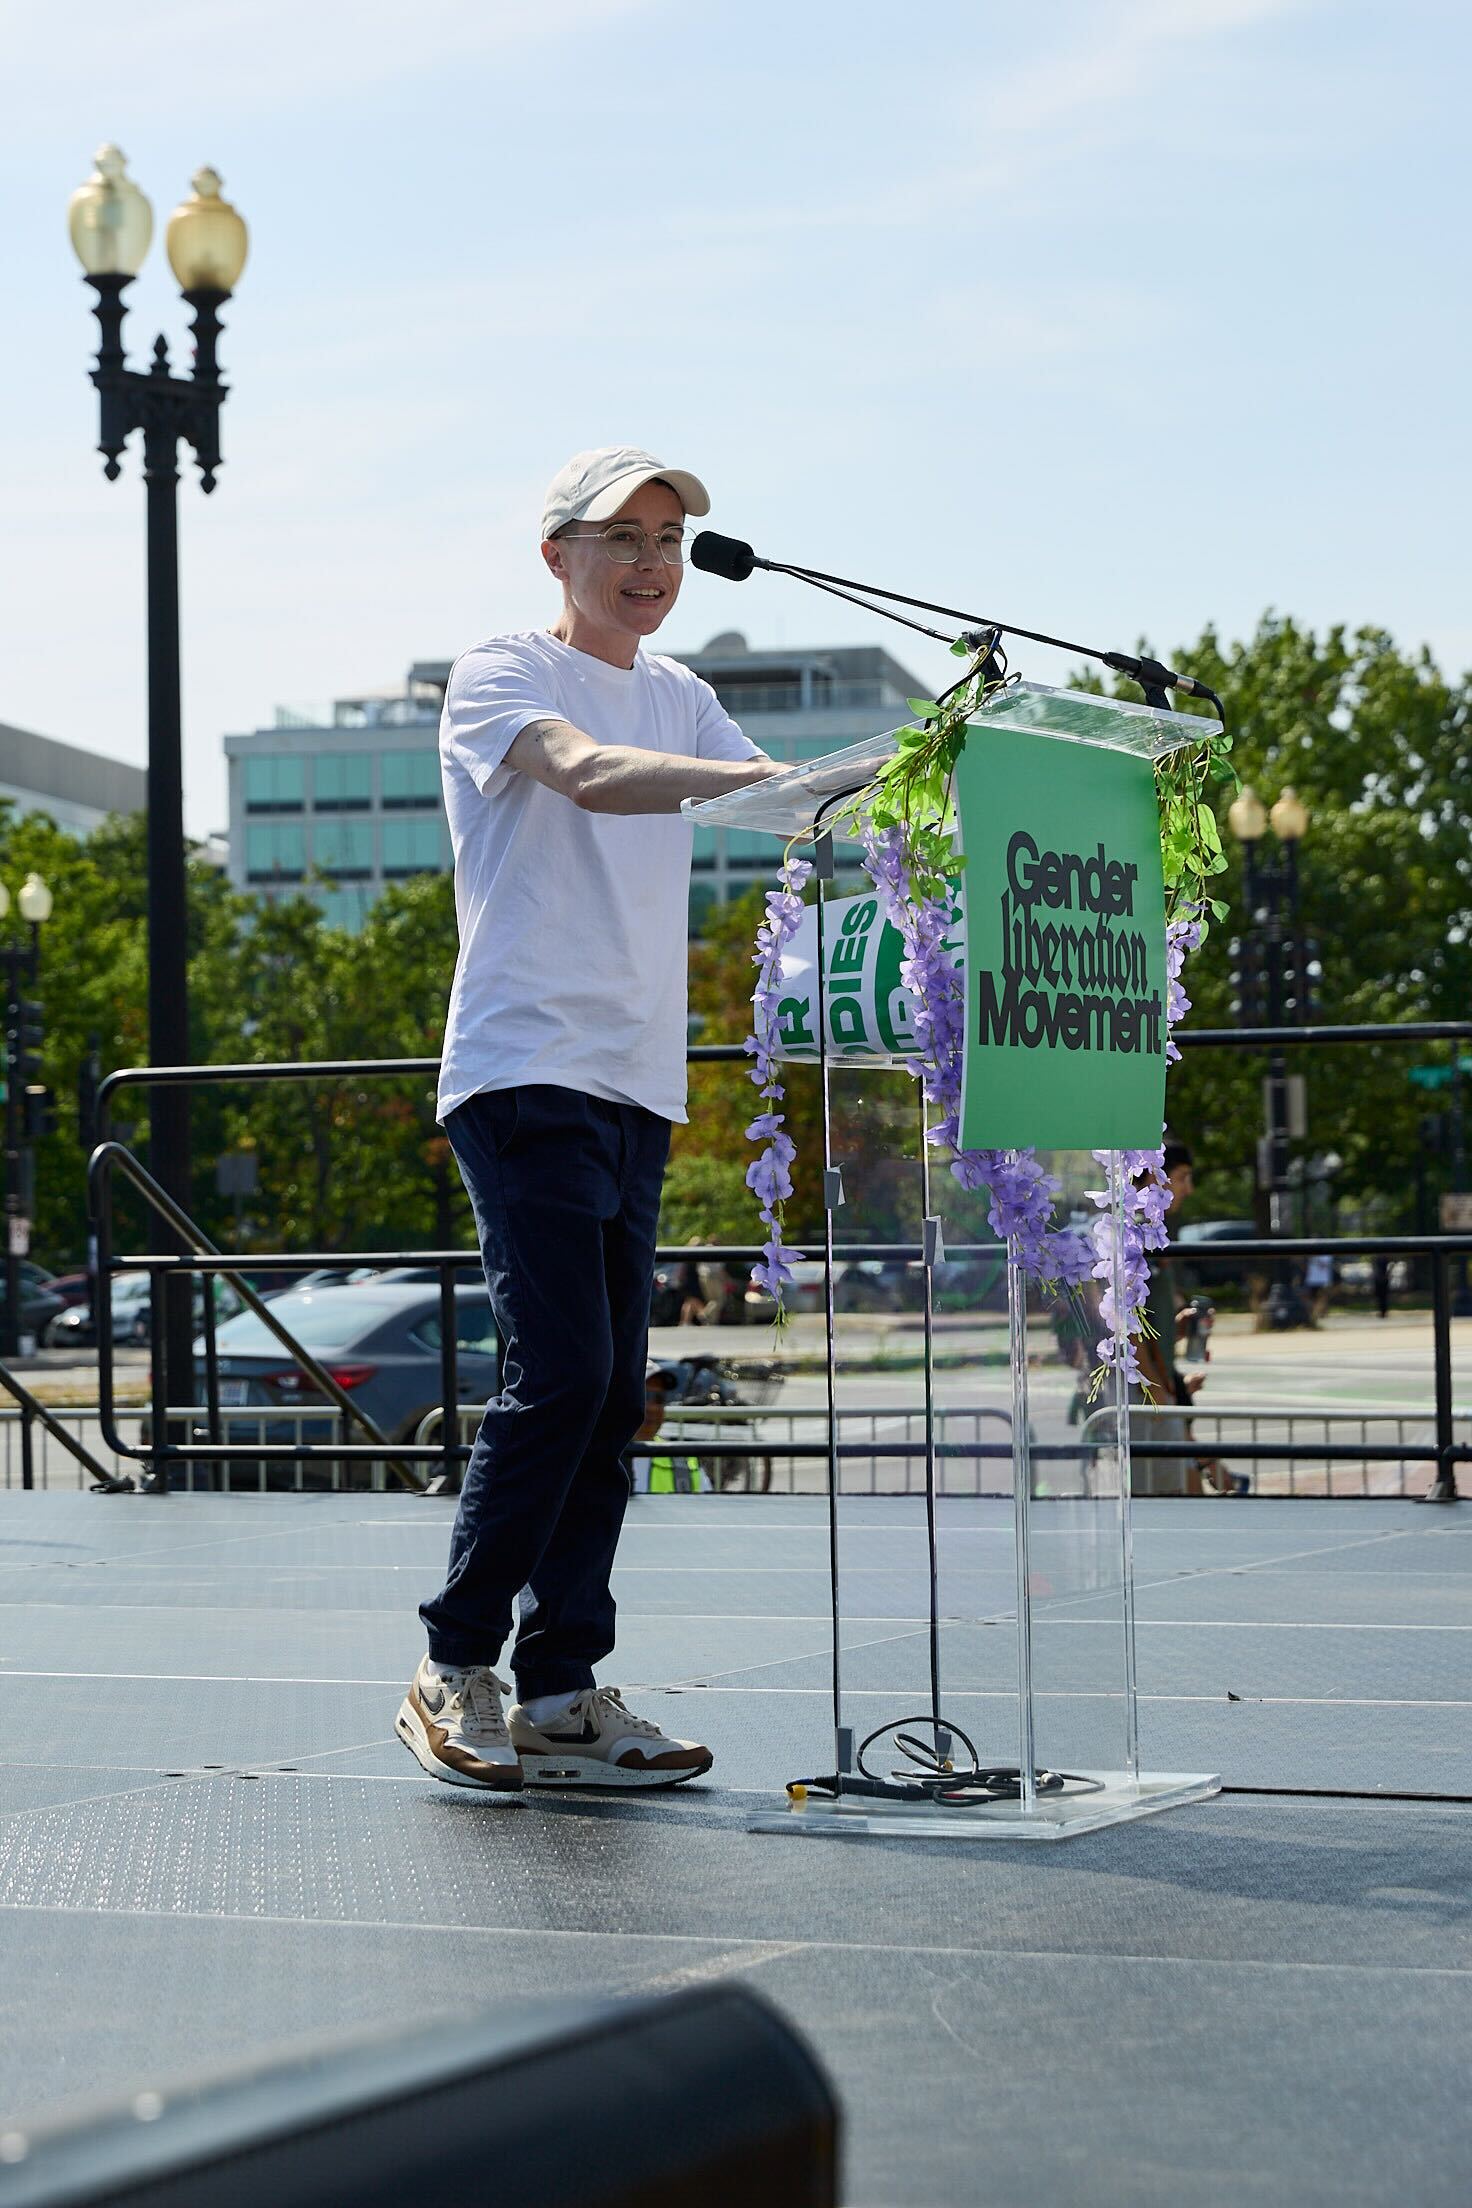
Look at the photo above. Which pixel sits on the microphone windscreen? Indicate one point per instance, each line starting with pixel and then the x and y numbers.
pixel 726 556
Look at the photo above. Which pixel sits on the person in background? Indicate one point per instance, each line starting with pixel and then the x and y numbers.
pixel 1381 1278
pixel 1318 1279
pixel 663 1472
pixel 1164 1384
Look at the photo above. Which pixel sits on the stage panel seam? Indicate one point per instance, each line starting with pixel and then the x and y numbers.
pixel 1065 1955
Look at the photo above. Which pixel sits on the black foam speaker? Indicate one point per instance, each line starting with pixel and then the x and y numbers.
pixel 700 2099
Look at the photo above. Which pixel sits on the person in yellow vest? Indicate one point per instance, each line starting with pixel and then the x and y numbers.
pixel 662 1473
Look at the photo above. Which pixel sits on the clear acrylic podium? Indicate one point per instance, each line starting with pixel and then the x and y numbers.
pixel 1006 1618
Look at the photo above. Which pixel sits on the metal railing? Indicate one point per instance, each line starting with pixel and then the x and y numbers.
pixel 171 1440
pixel 47 1456
pixel 1292 1451
pixel 765 1449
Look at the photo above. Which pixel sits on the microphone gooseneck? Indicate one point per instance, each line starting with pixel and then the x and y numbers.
pixel 735 560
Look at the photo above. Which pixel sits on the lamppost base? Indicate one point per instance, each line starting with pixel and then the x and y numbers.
pixel 1443 1489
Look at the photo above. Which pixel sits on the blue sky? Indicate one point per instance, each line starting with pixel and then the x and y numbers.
pixel 1109 318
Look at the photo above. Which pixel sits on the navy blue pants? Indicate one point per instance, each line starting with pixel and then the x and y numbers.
pixel 565 1190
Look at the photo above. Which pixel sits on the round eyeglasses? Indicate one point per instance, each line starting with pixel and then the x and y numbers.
pixel 624 541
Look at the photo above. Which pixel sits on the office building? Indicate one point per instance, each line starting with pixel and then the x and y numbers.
pixel 342 801
pixel 77 788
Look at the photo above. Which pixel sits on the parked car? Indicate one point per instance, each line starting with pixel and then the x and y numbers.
pixel 863 1284
pixel 39 1303
pixel 70 1287
pixel 132 1313
pixel 380 1341
pixel 270 1285
pixel 1205 1252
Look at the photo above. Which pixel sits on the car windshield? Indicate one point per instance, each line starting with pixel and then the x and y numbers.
pixel 318 1319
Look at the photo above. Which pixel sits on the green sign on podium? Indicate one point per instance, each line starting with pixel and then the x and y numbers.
pixel 1065 945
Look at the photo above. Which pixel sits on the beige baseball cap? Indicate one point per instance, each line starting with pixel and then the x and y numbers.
pixel 594 485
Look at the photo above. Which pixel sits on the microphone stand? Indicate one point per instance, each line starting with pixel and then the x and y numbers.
pixel 981 630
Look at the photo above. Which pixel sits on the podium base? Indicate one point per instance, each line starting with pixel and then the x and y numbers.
pixel 1104 1798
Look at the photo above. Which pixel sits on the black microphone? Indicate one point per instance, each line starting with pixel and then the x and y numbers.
pixel 1152 672
pixel 726 556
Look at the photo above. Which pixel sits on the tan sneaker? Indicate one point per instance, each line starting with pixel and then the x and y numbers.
pixel 452 1722
pixel 598 1742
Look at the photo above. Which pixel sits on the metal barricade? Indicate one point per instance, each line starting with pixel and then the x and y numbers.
pixel 762 1449
pixel 1305 1450
pixel 33 1454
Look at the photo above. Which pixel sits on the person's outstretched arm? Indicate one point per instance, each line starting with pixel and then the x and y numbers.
pixel 620 778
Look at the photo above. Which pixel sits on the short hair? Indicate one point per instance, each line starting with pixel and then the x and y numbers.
pixel 1176 1154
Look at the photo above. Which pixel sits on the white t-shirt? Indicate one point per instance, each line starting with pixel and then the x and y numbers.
pixel 573 925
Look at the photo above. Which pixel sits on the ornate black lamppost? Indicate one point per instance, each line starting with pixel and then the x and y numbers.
pixel 1275 973
pixel 111 225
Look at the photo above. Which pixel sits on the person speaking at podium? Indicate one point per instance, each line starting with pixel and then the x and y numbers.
pixel 565 755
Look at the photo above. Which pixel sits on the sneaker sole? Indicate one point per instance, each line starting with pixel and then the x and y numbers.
pixel 411 1732
pixel 540 1770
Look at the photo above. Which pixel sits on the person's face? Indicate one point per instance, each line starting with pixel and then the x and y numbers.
pixel 1182 1182
pixel 626 601
pixel 654 1402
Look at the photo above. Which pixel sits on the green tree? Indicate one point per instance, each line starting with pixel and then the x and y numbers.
pixel 1378 743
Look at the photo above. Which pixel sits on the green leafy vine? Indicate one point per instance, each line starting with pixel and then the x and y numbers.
pixel 913 791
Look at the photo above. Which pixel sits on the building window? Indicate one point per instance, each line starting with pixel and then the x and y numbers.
pixel 345 908
pixel 707 844
pixel 411 847
pixel 343 848
pixel 275 784
pixel 702 905
pixel 342 782
pixel 411 780
pixel 275 854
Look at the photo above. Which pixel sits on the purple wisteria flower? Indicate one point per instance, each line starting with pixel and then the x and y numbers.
pixel 1021 1192
pixel 1145 1193
pixel 769 1177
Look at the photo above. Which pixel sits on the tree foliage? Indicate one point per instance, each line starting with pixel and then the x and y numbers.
pixel 1378 743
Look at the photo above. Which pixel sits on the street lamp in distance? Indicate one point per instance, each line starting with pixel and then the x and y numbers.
pixel 1275 972
pixel 29 1113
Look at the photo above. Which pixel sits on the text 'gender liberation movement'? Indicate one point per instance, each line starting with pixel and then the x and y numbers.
pixel 1078 983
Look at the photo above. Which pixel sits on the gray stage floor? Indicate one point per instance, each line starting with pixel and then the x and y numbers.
pixel 210 1842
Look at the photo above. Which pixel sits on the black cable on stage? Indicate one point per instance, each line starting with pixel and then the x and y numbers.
pixel 932 1777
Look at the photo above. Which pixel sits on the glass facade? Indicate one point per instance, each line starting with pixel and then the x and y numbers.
pixel 412 847
pixel 275 851
pixel 346 908
pixel 275 783
pixel 410 779
pixel 343 848
pixel 342 782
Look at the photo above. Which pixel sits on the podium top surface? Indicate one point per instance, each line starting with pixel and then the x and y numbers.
pixel 786 804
